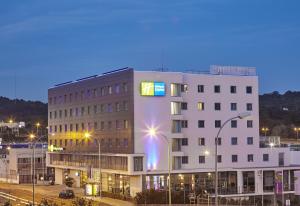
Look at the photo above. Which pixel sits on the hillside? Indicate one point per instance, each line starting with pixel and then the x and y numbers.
pixel 280 113
pixel 20 110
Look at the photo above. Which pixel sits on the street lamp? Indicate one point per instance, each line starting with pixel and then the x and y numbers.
pixel 297 129
pixel 239 116
pixel 265 130
pixel 152 132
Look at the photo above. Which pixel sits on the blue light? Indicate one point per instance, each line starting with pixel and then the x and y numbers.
pixel 159 89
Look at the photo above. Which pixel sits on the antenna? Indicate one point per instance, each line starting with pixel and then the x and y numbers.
pixel 15 87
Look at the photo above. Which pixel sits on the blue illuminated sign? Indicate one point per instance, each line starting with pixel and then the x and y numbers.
pixel 153 89
pixel 159 89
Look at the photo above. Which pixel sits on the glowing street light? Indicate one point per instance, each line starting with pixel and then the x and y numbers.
pixel 265 130
pixel 10 121
pixel 153 133
pixel 87 135
pixel 31 136
pixel 297 129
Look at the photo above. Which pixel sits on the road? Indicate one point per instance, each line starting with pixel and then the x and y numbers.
pixel 22 194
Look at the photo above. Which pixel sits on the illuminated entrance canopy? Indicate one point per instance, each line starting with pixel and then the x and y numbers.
pixel 153 89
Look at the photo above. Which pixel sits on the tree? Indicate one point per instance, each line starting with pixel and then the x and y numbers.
pixel 7 203
pixel 69 181
pixel 82 202
pixel 46 202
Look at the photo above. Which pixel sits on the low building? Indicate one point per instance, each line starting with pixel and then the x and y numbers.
pixel 16 161
pixel 11 127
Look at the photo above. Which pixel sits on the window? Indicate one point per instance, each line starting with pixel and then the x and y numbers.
pixel 233 106
pixel 250 140
pixel 109 89
pixel 175 90
pixel 219 141
pixel 95 125
pixel 184 159
pixel 175 108
pixel 200 106
pixel 118 107
pixel 217 106
pixel 82 126
pixel 66 128
pixel 201 159
pixel 117 124
pixel 71 127
pixel 60 128
pixel 184 141
pixel 200 88
pixel 184 124
pixel 265 157
pixel 102 125
pixel 219 158
pixel 117 88
pixel 249 90
pixel 125 124
pixel 234 158
pixel 88 110
pixel 176 126
pixel 125 105
pixel 234 140
pixel 201 141
pixel 217 88
pixel 250 158
pixel 125 87
pixel 66 113
pixel 50 114
pixel 249 107
pixel 232 89
pixel 55 114
pixel 82 111
pixel 71 112
pixel 66 142
pixel 184 106
pixel 249 123
pixel 109 108
pixel 76 127
pixel 55 128
pixel 233 123
pixel 217 123
pixel 102 108
pixel 60 114
pixel 138 163
pixel 184 88
pixel 201 124
pixel 95 109
pixel 109 124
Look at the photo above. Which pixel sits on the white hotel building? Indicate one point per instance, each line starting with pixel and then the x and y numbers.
pixel 117 111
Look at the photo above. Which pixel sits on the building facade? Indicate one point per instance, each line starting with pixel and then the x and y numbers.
pixel 117 110
pixel 16 163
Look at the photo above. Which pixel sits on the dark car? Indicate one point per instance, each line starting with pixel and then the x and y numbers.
pixel 66 194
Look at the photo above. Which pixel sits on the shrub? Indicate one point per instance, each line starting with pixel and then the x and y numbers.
pixel 46 202
pixel 82 202
pixel 69 181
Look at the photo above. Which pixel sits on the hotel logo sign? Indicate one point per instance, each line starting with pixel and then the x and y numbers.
pixel 153 89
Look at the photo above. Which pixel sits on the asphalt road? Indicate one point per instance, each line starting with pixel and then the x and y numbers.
pixel 22 194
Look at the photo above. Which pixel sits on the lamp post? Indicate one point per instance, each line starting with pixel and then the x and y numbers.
pixel 100 174
pixel 32 136
pixel 33 144
pixel 152 132
pixel 265 130
pixel 239 116
pixel 297 129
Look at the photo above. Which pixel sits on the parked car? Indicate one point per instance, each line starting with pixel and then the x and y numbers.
pixel 66 194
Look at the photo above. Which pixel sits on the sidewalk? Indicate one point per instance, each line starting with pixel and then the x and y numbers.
pixel 110 201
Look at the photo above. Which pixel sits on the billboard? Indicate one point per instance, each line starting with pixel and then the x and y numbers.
pixel 153 89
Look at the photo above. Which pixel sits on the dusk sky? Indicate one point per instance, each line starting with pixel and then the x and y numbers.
pixel 43 43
